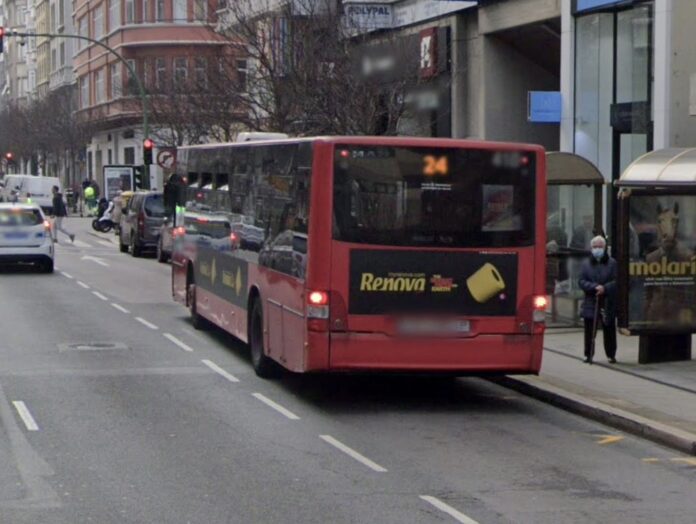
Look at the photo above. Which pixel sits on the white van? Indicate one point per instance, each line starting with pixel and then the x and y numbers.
pixel 38 188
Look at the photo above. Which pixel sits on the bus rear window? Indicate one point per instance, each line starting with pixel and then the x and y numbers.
pixel 439 197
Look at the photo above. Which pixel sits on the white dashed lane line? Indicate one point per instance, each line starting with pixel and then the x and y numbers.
pixel 105 243
pixel 353 454
pixel 280 409
pixel 212 365
pixel 120 308
pixel 446 508
pixel 66 275
pixel 99 295
pixel 80 243
pixel 24 414
pixel 146 323
pixel 178 342
pixel 82 284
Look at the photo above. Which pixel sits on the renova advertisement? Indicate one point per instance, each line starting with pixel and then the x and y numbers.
pixel 662 263
pixel 475 284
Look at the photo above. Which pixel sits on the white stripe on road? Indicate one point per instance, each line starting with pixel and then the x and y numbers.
pixel 66 275
pixel 24 414
pixel 352 453
pixel 99 295
pixel 120 308
pixel 105 243
pixel 146 323
pixel 212 365
pixel 82 284
pixel 177 342
pixel 280 409
pixel 80 243
pixel 456 515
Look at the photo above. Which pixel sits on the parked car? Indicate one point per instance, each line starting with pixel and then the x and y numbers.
pixel 141 222
pixel 25 236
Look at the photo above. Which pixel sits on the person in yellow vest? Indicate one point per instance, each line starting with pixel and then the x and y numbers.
pixel 90 200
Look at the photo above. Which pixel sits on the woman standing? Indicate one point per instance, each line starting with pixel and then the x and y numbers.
pixel 598 281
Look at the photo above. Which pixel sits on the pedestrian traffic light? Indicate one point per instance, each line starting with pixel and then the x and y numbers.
pixel 2 37
pixel 138 177
pixel 148 145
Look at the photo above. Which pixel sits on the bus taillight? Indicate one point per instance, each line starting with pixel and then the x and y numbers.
pixel 540 305
pixel 317 310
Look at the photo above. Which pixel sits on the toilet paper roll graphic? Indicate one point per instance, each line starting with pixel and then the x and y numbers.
pixel 486 283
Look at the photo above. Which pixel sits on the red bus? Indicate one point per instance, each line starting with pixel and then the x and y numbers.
pixel 366 253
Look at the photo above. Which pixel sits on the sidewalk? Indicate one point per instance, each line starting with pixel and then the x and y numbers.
pixel 656 401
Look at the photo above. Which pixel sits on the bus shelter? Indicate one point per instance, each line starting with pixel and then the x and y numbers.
pixel 574 216
pixel 657 253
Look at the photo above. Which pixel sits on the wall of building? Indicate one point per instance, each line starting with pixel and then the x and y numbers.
pixel 682 92
pixel 506 14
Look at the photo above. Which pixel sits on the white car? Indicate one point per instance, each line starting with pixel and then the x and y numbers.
pixel 25 236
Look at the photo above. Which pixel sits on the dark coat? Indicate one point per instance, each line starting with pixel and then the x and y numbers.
pixel 593 274
pixel 59 206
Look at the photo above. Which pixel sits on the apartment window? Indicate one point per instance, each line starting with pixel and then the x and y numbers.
pixel 84 92
pixel 179 8
pixel 242 75
pixel 54 62
pixel 146 11
pixel 130 11
pixel 129 155
pixel 180 71
pixel 114 14
pixel 82 30
pixel 61 13
pixel 99 88
pixel 53 18
pixel 200 10
pixel 62 54
pixel 98 22
pixel 160 10
pixel 116 85
pixel 200 66
pixel 132 82
pixel 160 73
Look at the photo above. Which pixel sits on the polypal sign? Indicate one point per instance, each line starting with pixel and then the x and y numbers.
pixel 368 16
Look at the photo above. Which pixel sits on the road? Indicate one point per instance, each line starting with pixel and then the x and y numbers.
pixel 113 409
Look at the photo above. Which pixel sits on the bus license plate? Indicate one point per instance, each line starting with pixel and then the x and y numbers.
pixel 434 327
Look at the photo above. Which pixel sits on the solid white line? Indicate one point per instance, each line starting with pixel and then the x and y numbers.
pixel 66 275
pixel 99 295
pixel 26 417
pixel 120 308
pixel 82 284
pixel 177 342
pixel 146 323
pixel 280 409
pixel 352 453
pixel 212 365
pixel 105 243
pixel 456 515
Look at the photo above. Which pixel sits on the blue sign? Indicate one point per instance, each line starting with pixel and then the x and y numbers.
pixel 545 107
pixel 585 5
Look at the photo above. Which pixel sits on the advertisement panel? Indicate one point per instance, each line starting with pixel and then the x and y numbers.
pixel 117 178
pixel 398 282
pixel 662 263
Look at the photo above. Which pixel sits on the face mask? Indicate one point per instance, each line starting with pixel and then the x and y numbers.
pixel 598 252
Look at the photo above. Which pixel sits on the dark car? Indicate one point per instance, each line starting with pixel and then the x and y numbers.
pixel 141 222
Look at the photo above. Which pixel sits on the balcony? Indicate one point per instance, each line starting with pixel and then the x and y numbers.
pixel 61 77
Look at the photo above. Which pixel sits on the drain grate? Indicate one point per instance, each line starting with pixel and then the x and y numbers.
pixel 92 346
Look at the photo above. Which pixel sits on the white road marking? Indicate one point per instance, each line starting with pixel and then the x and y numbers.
pixel 280 409
pixel 120 308
pixel 146 323
pixel 456 515
pixel 96 260
pixel 99 295
pixel 24 414
pixel 105 243
pixel 80 243
pixel 66 275
pixel 352 453
pixel 212 365
pixel 82 284
pixel 178 342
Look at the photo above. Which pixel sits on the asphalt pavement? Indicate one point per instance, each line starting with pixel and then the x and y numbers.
pixel 113 409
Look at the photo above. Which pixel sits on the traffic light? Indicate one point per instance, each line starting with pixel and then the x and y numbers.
pixel 2 35
pixel 9 156
pixel 148 145
pixel 138 177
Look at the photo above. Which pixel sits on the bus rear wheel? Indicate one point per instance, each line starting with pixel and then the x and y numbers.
pixel 197 321
pixel 264 366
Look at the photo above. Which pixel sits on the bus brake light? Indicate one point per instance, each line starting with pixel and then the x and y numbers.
pixel 540 305
pixel 318 310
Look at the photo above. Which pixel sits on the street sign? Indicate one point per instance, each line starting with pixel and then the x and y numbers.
pixel 166 158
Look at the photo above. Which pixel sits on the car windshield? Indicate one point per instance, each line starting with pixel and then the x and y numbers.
pixel 154 206
pixel 20 217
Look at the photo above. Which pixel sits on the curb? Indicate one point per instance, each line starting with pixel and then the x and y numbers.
pixel 664 434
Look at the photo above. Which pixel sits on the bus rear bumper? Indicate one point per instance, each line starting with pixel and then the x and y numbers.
pixel 481 354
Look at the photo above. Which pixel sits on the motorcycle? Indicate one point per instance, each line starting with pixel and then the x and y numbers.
pixel 103 222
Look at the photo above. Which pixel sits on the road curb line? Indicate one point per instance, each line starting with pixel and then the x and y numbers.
pixel 664 434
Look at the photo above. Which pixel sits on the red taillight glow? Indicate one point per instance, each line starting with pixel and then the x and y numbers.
pixel 319 298
pixel 233 237
pixel 345 153
pixel 540 302
pixel 47 224
pixel 178 231
pixel 524 160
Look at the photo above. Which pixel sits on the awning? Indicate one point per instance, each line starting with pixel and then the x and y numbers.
pixel 663 167
pixel 569 168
